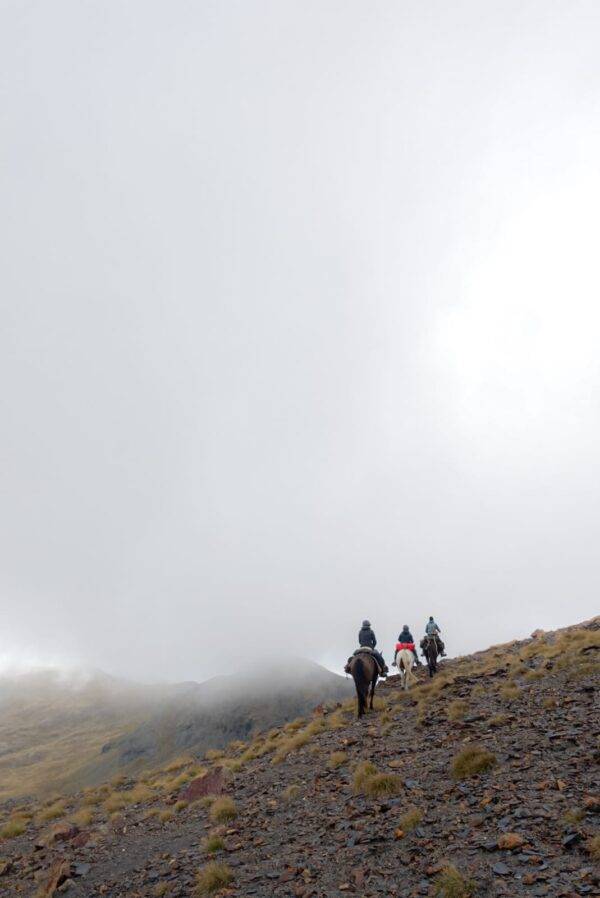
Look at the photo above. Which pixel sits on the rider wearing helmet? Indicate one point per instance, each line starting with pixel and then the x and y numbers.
pixel 406 638
pixel 432 629
pixel 367 639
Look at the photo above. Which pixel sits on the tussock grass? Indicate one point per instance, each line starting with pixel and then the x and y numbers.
pixel 92 797
pixel 178 764
pixel 457 709
pixel 575 815
pixel 213 877
pixel 549 703
pixel 53 812
pixel 294 725
pixel 471 761
pixel 138 795
pixel 536 674
pixel 180 806
pixel 336 759
pixel 368 781
pixel 13 828
pixel 213 754
pixel 165 815
pixel 232 764
pixel 213 843
pixel 498 720
pixel 592 847
pixel 223 809
pixel 509 692
pixel 410 820
pixel 336 721
pixel 115 802
pixel 160 889
pixel 83 817
pixel 450 883
pixel 291 793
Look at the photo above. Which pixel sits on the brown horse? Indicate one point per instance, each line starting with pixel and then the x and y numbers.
pixel 430 647
pixel 365 673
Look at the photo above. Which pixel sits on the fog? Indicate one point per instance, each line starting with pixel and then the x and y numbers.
pixel 300 323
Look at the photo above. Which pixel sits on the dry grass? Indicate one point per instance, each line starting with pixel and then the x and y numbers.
pixel 92 797
pixel 160 889
pixel 13 828
pixel 368 781
pixel 410 820
pixel 223 809
pixel 593 847
pixel 549 703
pixel 180 805
pixel 364 770
pixel 298 740
pixel 294 725
pixel 498 720
pixel 291 793
pixel 471 761
pixel 450 883
pixel 137 795
pixel 213 877
pixel 115 802
pixel 336 759
pixel 214 843
pixel 232 764
pixel 575 815
pixel 53 811
pixel 165 815
pixel 213 754
pixel 510 692
pixel 83 817
pixel 457 709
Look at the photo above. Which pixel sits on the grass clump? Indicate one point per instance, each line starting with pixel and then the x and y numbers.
pixel 213 754
pixel 593 847
pixel 510 692
pixel 450 883
pixel 213 877
pixel 471 761
pixel 53 812
pixel 410 820
pixel 369 782
pixel 223 809
pixel 83 817
pixel 115 802
pixel 498 720
pixel 336 759
pixel 214 843
pixel 291 793
pixel 137 795
pixel 160 889
pixel 575 815
pixel 457 709
pixel 165 815
pixel 299 740
pixel 13 828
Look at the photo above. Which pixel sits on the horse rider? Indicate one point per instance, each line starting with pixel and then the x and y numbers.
pixel 367 639
pixel 405 639
pixel 432 629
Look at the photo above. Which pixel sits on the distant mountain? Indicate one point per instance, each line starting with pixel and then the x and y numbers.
pixel 60 732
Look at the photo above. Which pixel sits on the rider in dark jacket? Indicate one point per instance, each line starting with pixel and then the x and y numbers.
pixel 406 636
pixel 367 639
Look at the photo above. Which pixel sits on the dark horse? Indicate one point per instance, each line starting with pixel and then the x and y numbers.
pixel 431 654
pixel 365 673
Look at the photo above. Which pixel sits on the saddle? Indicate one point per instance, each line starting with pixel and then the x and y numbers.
pixel 367 650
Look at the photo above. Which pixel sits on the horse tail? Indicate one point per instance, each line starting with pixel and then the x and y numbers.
pixel 361 681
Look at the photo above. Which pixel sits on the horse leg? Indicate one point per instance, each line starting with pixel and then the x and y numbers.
pixel 373 684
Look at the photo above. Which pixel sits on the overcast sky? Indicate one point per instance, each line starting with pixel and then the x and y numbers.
pixel 300 324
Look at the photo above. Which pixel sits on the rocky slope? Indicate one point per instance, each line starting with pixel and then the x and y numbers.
pixel 482 782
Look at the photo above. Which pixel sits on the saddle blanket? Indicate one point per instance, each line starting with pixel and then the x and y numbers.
pixel 405 645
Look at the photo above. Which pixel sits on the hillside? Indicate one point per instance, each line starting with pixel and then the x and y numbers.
pixel 482 782
pixel 61 733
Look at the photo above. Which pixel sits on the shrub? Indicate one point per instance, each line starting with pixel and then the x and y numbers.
pixel 410 820
pixel 212 878
pixel 223 809
pixel 336 759
pixel 214 843
pixel 53 812
pixel 471 761
pixel 13 828
pixel 457 709
pixel 450 883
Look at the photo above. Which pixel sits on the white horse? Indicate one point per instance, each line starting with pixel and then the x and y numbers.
pixel 404 662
